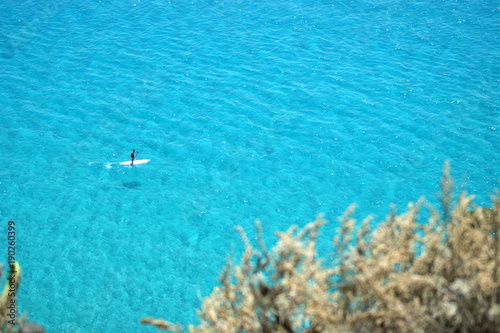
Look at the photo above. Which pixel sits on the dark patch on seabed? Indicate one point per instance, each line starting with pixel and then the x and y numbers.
pixel 131 185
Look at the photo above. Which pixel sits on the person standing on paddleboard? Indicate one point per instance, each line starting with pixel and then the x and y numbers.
pixel 133 156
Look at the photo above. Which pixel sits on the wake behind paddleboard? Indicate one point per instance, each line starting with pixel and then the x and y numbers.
pixel 135 162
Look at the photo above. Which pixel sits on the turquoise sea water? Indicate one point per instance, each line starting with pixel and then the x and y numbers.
pixel 277 110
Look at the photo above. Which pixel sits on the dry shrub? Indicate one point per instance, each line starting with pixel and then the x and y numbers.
pixel 8 301
pixel 405 276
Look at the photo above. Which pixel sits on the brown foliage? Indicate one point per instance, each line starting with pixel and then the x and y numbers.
pixel 404 276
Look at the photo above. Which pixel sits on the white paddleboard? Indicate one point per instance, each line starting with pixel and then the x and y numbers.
pixel 135 162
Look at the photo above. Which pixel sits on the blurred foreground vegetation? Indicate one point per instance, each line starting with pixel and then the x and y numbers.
pixel 405 276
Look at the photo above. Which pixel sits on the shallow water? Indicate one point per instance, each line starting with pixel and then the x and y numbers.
pixel 277 110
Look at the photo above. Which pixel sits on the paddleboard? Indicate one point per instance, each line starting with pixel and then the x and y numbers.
pixel 135 162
